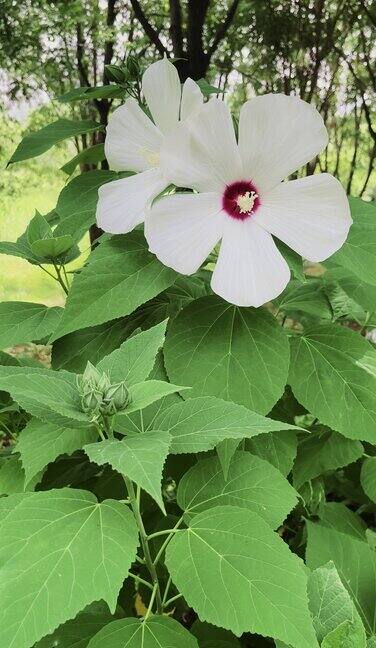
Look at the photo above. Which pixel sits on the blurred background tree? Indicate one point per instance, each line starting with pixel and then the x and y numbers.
pixel 321 50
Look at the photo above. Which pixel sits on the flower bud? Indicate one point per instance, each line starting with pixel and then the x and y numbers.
pixel 91 400
pixel 91 376
pixel 116 398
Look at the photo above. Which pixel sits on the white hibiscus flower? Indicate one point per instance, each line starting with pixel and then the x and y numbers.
pixel 133 143
pixel 241 200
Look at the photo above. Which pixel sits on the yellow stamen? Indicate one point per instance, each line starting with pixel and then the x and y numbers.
pixel 246 201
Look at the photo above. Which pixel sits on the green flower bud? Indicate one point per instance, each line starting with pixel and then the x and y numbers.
pixel 91 375
pixel 91 400
pixel 116 398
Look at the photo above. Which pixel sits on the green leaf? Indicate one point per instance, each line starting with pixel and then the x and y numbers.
pixel 146 393
pixel 239 354
pixel 12 477
pixel 356 289
pixel 120 276
pixel 358 253
pixel 309 298
pixel 155 632
pixel 371 643
pixel 77 202
pixel 52 247
pixel 22 322
pixel 41 443
pixel 355 563
pixel 331 605
pixel 330 365
pixel 368 477
pixel 40 141
pixel 72 351
pixel 294 260
pixel 134 360
pixel 207 88
pixel 91 155
pixel 278 449
pixel 77 632
pixel 322 451
pixel 141 458
pixel 200 424
pixel 89 93
pixel 347 635
pixel 141 421
pixel 337 516
pixel 237 573
pixel 251 483
pixel 59 545
pixel 225 452
pixel 38 228
pixel 49 395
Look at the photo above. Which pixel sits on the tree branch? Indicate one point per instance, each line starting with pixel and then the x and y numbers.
pixel 223 29
pixel 176 31
pixel 151 33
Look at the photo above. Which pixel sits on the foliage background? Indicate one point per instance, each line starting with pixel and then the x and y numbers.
pixel 320 49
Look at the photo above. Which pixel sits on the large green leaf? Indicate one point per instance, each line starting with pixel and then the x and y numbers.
pixel 358 253
pixel 239 354
pixel 356 289
pixel 251 483
pixel 72 351
pixel 49 395
pixel 121 275
pixel 141 458
pixel 91 155
pixel 368 477
pixel 278 449
pixel 40 141
pixel 321 451
pixel 12 477
pixel 26 322
pixel 77 632
pixel 60 551
pixel 346 635
pixel 337 516
pixel 41 443
pixel 77 202
pixel 330 604
pixel 331 365
pixel 238 574
pixel 307 298
pixel 148 392
pixel 155 632
pixel 53 247
pixel 134 360
pixel 199 424
pixel 355 563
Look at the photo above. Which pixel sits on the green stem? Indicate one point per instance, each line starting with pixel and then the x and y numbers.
pixel 60 278
pixel 144 542
pixel 154 594
pixel 166 591
pixel 173 599
pixel 141 580
pixel 164 545
pixel 108 427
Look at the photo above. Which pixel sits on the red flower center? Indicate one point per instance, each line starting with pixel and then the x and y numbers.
pixel 240 199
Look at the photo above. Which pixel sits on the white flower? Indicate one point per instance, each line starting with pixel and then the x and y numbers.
pixel 133 143
pixel 241 199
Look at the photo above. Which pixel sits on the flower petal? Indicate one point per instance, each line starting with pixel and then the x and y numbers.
pixel 250 270
pixel 162 90
pixel 184 228
pixel 132 139
pixel 277 135
pixel 122 203
pixel 310 215
pixel 202 152
pixel 191 99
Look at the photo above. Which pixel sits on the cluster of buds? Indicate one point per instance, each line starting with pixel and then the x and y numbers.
pixel 99 396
